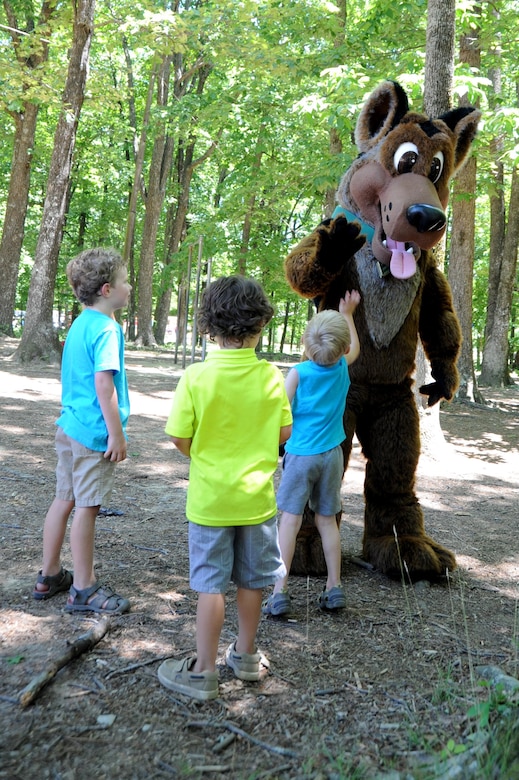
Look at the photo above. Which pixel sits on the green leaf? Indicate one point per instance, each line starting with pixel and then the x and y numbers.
pixel 16 659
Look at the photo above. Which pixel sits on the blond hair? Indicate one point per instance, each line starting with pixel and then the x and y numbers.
pixel 326 338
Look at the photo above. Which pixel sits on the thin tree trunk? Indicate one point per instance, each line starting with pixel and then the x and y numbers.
pixel 160 169
pixel 501 271
pixel 39 338
pixel 494 369
pixel 438 76
pixel 19 182
pixel 139 148
pixel 462 245
pixel 335 143
pixel 176 218
pixel 176 222
pixel 247 222
pixel 15 214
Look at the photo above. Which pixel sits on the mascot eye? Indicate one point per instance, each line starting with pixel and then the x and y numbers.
pixel 436 167
pixel 405 157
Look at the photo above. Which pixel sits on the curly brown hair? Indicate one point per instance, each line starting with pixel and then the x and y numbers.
pixel 90 270
pixel 234 307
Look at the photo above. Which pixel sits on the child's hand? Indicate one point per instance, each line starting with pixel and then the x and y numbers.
pixel 116 448
pixel 349 303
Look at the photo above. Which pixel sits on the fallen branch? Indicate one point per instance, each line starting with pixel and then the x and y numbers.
pixel 81 645
pixel 226 724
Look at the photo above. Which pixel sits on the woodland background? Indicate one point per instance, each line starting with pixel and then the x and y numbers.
pixel 178 130
pixel 190 128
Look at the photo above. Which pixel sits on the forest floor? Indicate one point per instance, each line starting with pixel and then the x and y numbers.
pixel 389 687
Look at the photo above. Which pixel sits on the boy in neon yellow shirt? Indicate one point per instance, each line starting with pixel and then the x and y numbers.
pixel 229 416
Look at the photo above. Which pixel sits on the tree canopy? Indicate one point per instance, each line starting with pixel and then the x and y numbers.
pixel 213 119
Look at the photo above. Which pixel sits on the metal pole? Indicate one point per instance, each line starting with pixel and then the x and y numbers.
pixel 188 284
pixel 208 282
pixel 197 296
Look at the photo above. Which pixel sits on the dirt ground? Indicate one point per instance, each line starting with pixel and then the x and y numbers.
pixel 382 689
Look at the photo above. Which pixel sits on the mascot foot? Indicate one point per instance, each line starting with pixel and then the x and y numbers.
pixel 410 557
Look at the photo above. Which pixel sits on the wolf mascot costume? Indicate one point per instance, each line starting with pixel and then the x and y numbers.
pixel 391 213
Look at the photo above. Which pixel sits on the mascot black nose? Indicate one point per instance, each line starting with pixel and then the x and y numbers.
pixel 426 218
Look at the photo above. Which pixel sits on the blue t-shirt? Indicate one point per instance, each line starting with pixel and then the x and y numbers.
pixel 95 342
pixel 318 407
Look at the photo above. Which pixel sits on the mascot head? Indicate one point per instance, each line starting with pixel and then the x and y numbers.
pixel 399 184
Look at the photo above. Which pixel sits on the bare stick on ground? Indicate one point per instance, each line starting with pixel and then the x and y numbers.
pixel 81 645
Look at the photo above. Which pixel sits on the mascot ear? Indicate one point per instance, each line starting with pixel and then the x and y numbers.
pixel 382 111
pixel 464 124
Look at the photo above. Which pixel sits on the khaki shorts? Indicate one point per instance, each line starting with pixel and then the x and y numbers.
pixel 82 475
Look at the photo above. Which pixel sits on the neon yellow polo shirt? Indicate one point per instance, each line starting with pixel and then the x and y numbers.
pixel 232 407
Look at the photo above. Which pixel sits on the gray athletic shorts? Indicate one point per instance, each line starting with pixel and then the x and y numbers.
pixel 82 475
pixel 312 479
pixel 247 555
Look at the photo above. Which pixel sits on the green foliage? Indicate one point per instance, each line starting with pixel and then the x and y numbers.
pixel 452 748
pixel 497 704
pixel 281 75
pixel 15 659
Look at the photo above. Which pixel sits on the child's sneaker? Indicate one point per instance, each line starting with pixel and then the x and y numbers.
pixel 276 604
pixel 246 666
pixel 176 676
pixel 332 599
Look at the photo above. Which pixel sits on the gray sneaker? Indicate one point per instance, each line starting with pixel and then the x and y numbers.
pixel 246 666
pixel 332 599
pixel 276 604
pixel 176 676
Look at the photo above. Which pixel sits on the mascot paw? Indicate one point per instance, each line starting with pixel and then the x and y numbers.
pixel 412 558
pixel 446 381
pixel 340 240
pixel 435 392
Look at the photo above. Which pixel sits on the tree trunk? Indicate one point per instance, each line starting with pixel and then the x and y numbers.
pixel 494 369
pixel 134 152
pixel 439 69
pixel 19 182
pixel 462 245
pixel 39 339
pixel 247 222
pixel 335 143
pixel 160 168
pixel 439 56
pixel 501 271
pixel 15 213
pixel 176 218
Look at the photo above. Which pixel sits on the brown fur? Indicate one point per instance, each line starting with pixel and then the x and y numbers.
pixel 405 204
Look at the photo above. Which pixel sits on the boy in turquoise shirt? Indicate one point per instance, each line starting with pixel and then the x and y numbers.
pixel 229 416
pixel 91 438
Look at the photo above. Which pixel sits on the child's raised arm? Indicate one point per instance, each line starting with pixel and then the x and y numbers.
pixel 347 306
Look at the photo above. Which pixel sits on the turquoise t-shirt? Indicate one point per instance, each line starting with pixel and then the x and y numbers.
pixel 95 342
pixel 232 407
pixel 318 407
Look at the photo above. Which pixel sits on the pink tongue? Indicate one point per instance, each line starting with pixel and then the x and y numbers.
pixel 402 264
